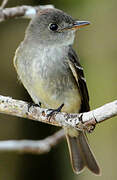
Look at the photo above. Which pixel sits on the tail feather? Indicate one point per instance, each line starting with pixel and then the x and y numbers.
pixel 75 150
pixel 81 154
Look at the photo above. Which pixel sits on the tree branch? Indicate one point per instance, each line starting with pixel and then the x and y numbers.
pixel 4 2
pixel 79 121
pixel 31 146
pixel 21 11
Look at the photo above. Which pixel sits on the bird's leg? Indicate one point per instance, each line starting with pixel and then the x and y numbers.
pixel 30 104
pixel 89 128
pixel 55 111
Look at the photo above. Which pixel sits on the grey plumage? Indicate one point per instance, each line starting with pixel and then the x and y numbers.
pixel 50 71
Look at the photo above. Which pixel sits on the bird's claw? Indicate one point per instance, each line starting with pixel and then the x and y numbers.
pixel 91 128
pixel 88 127
pixel 33 105
pixel 55 111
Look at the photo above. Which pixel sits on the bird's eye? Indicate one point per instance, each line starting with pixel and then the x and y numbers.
pixel 53 27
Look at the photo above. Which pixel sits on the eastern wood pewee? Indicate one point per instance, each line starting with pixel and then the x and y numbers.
pixel 50 70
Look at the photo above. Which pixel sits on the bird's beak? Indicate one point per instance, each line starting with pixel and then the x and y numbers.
pixel 80 24
pixel 77 25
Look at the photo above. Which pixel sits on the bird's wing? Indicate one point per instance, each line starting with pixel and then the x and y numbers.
pixel 78 74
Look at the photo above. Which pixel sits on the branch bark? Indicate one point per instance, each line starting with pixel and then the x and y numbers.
pixel 78 121
pixel 31 146
pixel 21 11
pixel 82 121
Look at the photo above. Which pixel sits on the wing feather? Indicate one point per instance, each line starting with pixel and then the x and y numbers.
pixel 78 74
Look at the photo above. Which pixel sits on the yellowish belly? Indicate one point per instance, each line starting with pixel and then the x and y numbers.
pixel 49 99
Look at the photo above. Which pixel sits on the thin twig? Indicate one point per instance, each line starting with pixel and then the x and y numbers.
pixel 21 11
pixel 4 3
pixel 31 146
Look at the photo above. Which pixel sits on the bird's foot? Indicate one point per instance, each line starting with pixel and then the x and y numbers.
pixel 91 128
pixel 87 127
pixel 33 105
pixel 55 111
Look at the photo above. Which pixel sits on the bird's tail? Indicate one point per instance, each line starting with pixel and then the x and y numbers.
pixel 81 154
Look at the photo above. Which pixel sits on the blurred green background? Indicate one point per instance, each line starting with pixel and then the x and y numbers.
pixel 97 48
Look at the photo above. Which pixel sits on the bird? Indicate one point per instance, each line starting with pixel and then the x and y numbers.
pixel 50 70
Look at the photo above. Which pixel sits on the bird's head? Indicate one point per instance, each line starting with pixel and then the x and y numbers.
pixel 54 27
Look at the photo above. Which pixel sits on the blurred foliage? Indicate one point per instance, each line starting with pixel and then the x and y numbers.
pixel 96 46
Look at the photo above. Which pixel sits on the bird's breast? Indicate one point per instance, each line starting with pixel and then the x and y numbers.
pixel 46 75
pixel 53 81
